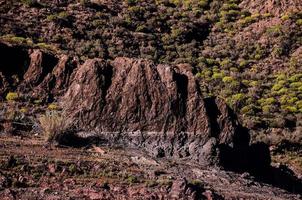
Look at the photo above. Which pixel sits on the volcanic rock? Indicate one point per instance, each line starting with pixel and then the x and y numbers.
pixel 33 71
pixel 157 107
pixel 131 102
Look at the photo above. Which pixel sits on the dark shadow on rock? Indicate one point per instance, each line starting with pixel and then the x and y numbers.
pixel 14 63
pixel 107 73
pixel 182 189
pixel 256 160
pixel 73 140
pixel 182 90
pixel 241 137
pixel 281 177
pixel 213 113
pixel 286 145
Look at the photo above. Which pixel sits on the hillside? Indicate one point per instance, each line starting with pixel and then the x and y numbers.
pixel 207 81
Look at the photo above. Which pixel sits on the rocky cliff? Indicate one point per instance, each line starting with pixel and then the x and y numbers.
pixel 158 107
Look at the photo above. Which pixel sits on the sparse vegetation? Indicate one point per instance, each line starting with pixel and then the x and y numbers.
pixel 53 125
pixel 31 3
pixel 12 96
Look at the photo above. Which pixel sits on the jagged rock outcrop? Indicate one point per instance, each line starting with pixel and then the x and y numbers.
pixel 159 108
pixel 38 73
pixel 132 102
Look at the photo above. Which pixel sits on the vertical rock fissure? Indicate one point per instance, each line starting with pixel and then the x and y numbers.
pixel 107 72
pixel 182 90
pixel 213 114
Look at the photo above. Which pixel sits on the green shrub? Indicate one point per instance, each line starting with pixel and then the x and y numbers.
pixel 132 179
pixel 243 63
pixel 31 3
pixel 226 63
pixel 295 78
pixel 196 183
pixel 291 109
pixel 281 77
pixel 247 20
pixel 258 56
pixel 254 83
pixel 210 61
pixel 51 17
pixel 247 110
pixel 12 96
pixel 141 28
pixel 62 15
pixel 228 79
pixel 236 99
pixel 285 17
pixel 217 75
pixel 295 85
pixel 53 106
pixel 292 100
pixel 203 3
pixel 266 109
pixel 267 15
pixel 267 101
pixel 274 30
pixel 299 104
pixel 299 22
pixel 131 2
pixel 277 87
pixel 282 91
pixel 17 39
pixel 283 99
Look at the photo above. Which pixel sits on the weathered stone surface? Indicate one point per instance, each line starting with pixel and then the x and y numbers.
pixel 38 78
pixel 56 82
pixel 159 108
pixel 131 102
pixel 34 72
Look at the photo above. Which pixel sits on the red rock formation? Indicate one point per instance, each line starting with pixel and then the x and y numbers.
pixel 159 108
pixel 133 102
pixel 34 71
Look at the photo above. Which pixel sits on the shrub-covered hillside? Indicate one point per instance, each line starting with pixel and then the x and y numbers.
pixel 248 52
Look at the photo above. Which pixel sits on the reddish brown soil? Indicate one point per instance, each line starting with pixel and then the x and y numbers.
pixel 32 170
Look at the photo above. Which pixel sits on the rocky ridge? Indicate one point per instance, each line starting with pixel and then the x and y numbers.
pixel 134 102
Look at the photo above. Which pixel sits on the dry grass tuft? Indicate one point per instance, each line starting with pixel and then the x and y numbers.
pixel 54 125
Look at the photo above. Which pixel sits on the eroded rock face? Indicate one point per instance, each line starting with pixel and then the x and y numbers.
pixel 159 108
pixel 33 71
pixel 131 102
